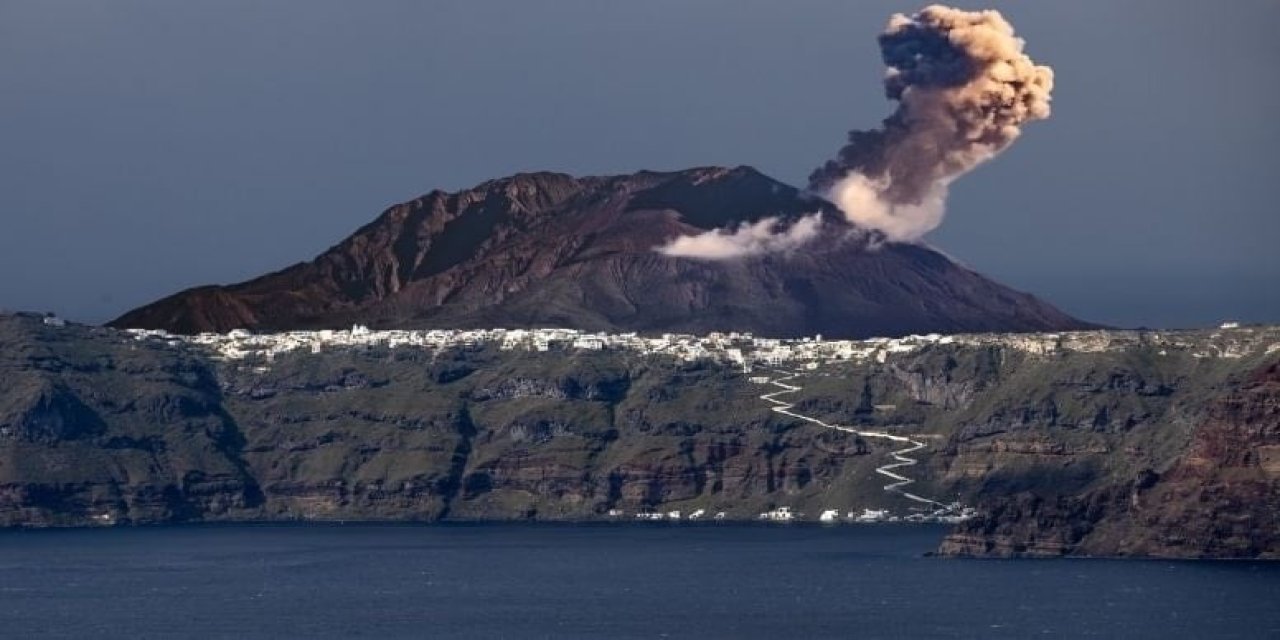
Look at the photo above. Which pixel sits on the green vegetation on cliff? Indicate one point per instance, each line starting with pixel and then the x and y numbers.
pixel 1063 453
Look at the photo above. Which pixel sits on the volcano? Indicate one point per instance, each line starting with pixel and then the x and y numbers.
pixel 548 249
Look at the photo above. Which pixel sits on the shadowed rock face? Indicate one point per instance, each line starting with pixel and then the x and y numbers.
pixel 549 249
pixel 1218 499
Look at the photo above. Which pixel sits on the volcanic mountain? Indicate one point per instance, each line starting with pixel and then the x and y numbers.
pixel 548 249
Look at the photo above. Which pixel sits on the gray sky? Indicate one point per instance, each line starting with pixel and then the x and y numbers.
pixel 146 147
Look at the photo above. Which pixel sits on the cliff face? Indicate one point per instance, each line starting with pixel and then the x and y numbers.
pixel 1132 450
pixel 400 435
pixel 1220 498
pixel 546 249
pixel 91 428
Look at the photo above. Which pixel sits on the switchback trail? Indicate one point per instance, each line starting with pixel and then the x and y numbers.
pixel 903 460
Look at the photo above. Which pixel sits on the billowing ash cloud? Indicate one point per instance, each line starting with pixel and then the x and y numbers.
pixel 964 89
pixel 763 236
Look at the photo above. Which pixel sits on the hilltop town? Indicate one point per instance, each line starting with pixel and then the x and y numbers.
pixel 737 349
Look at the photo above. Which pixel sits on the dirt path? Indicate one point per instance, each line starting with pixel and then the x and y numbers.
pixel 902 459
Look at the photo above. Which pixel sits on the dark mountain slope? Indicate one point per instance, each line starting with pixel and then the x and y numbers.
pixel 549 249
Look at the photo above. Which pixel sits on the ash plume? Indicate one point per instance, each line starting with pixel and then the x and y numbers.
pixel 964 89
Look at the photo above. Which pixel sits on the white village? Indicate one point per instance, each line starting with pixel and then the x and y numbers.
pixel 744 350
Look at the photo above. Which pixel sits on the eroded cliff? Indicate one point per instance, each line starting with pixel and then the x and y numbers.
pixel 1132 450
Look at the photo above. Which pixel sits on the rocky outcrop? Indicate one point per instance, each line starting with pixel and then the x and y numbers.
pixel 46 413
pixel 96 431
pixel 1218 499
pixel 546 249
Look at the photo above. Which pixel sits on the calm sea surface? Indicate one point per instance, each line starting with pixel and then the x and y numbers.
pixel 530 581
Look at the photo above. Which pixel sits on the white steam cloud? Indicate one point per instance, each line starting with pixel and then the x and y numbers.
pixel 863 203
pixel 767 235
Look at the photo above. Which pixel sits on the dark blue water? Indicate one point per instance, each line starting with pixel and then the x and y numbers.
pixel 533 581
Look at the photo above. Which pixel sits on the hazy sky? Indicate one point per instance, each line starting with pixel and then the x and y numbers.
pixel 146 147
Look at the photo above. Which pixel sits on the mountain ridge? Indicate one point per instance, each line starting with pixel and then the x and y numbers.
pixel 545 248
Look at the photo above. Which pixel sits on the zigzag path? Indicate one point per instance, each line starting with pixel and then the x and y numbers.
pixel 899 481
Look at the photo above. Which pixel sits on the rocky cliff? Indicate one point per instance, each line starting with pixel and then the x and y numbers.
pixel 147 431
pixel 1107 447
pixel 1218 498
pixel 546 249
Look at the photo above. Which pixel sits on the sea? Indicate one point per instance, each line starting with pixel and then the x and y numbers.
pixel 599 581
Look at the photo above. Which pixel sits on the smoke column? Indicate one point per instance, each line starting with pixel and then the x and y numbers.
pixel 964 90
